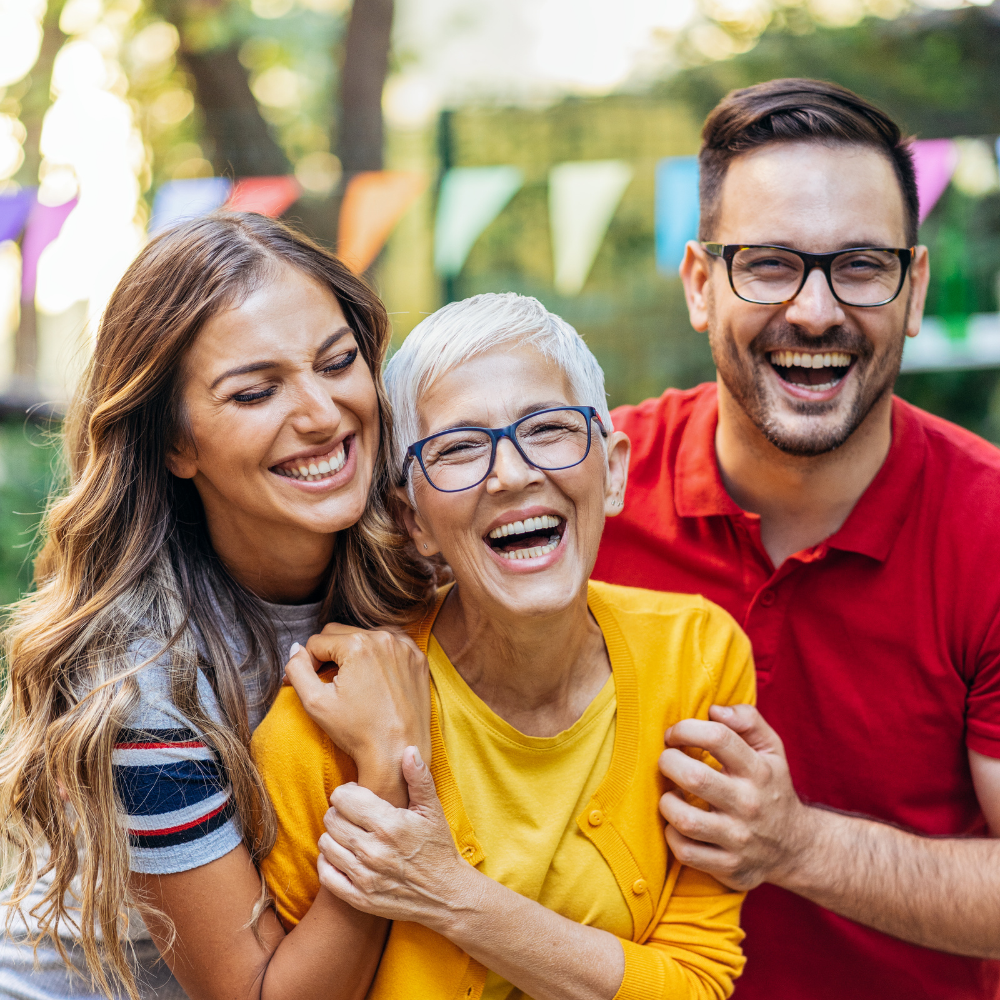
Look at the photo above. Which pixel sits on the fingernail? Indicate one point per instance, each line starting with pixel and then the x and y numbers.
pixel 417 759
pixel 293 649
pixel 725 710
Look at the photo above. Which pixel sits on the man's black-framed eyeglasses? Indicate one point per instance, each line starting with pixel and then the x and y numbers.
pixel 462 457
pixel 772 275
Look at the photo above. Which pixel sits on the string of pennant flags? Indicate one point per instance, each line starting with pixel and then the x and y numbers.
pixel 583 198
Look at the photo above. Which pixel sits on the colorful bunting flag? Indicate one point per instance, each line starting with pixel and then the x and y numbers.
pixel 583 198
pixel 188 199
pixel 935 161
pixel 469 200
pixel 374 202
pixel 676 209
pixel 14 210
pixel 267 195
pixel 44 225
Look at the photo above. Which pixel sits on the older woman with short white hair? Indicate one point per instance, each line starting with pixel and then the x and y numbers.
pixel 532 860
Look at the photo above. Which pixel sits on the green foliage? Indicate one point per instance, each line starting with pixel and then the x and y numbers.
pixel 27 461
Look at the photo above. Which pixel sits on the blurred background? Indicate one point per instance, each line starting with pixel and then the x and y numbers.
pixel 449 147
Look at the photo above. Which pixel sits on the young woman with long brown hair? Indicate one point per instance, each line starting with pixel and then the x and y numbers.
pixel 227 495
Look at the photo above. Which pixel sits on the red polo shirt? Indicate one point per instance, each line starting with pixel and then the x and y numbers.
pixel 878 661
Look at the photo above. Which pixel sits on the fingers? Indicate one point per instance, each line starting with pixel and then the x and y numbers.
pixel 694 823
pixel 331 878
pixel 420 783
pixel 300 671
pixel 361 806
pixel 750 725
pixel 704 857
pixel 728 748
pixel 696 777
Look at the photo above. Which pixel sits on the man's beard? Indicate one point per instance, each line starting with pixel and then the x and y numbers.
pixel 745 376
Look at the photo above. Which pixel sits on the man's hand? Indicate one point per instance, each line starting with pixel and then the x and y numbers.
pixel 756 826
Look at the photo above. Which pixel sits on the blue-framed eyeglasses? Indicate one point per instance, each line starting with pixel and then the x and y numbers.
pixel 462 457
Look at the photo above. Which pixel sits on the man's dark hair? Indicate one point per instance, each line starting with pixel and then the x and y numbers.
pixel 795 110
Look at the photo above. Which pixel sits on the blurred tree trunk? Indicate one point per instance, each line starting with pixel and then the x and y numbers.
pixel 242 144
pixel 366 60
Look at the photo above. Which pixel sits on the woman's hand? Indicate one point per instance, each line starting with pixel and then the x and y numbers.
pixel 396 863
pixel 378 704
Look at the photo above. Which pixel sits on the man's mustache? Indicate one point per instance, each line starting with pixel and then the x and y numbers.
pixel 784 336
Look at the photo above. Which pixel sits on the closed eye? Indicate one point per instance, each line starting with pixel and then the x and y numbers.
pixel 341 362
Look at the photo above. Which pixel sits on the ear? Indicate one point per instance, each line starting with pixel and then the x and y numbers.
pixel 920 276
pixel 182 460
pixel 619 450
pixel 695 274
pixel 415 526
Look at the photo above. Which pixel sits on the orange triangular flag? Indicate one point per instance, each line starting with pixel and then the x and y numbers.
pixel 266 195
pixel 374 202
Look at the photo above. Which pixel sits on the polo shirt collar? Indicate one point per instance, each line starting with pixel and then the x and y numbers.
pixel 698 488
pixel 872 526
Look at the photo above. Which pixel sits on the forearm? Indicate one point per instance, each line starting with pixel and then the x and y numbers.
pixel 939 893
pixel 545 955
pixel 332 954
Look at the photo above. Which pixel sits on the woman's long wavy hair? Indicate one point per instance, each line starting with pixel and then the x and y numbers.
pixel 126 558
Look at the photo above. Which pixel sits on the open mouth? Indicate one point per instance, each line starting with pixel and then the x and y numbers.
pixel 818 371
pixel 528 539
pixel 316 468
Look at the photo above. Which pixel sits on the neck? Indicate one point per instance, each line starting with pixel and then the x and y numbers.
pixel 801 500
pixel 537 673
pixel 279 563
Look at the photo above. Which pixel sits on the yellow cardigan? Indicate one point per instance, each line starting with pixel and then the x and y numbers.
pixel 673 655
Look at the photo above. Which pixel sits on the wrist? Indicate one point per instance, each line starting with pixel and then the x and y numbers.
pixel 466 890
pixel 383 775
pixel 805 838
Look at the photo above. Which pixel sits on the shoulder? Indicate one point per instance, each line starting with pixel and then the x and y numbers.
pixel 654 622
pixel 658 419
pixel 967 454
pixel 295 757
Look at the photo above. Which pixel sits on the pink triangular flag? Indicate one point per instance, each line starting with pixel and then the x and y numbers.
pixel 44 224
pixel 935 161
pixel 266 195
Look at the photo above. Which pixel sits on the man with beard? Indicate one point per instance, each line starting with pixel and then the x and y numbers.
pixel 857 540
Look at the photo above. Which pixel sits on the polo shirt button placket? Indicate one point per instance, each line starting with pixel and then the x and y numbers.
pixel 767 599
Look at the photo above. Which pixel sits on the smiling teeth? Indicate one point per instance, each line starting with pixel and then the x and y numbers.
pixel 533 553
pixel 802 359
pixel 523 527
pixel 312 470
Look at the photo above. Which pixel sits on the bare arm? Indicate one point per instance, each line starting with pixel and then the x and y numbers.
pixel 942 893
pixel 331 954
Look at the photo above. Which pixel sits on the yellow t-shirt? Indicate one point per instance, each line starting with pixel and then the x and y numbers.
pixel 523 794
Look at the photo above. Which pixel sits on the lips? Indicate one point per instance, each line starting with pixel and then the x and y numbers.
pixel 812 371
pixel 316 467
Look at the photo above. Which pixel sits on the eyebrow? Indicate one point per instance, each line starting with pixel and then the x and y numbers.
pixel 523 412
pixel 259 366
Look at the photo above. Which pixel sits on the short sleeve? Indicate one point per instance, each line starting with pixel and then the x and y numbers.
pixel 983 706
pixel 172 788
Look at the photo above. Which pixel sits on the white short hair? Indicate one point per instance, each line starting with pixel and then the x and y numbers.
pixel 462 330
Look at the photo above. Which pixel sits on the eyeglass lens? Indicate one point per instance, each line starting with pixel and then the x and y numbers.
pixel 861 277
pixel 457 460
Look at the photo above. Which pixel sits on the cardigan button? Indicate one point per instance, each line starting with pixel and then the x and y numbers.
pixel 596 817
pixel 639 886
pixel 468 851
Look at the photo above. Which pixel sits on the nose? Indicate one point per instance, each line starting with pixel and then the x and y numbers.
pixel 314 413
pixel 814 309
pixel 511 471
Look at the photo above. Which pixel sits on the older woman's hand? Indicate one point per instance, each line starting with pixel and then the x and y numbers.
pixel 396 863
pixel 378 703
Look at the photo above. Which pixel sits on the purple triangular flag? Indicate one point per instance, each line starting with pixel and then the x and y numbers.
pixel 14 209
